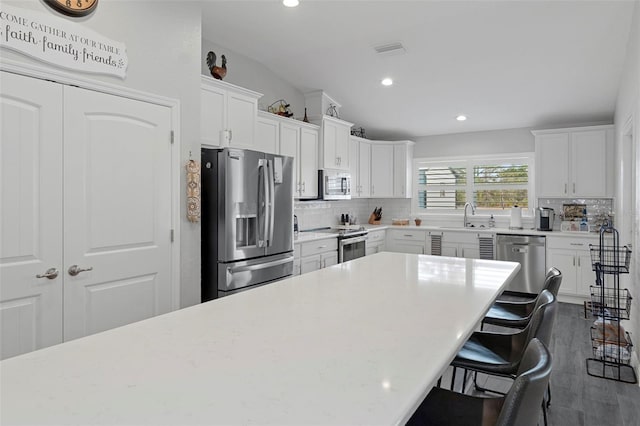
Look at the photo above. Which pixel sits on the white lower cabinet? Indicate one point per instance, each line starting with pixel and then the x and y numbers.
pixel 573 258
pixel 314 255
pixel 408 241
pixel 375 242
pixel 461 244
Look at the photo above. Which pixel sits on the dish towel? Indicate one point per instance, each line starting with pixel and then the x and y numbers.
pixel 193 191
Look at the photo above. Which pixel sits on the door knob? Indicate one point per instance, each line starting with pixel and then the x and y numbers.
pixel 50 273
pixel 75 270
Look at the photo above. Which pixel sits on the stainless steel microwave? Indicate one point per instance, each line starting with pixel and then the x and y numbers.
pixel 334 185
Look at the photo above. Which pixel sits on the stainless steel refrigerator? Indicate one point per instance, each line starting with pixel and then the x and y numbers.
pixel 247 220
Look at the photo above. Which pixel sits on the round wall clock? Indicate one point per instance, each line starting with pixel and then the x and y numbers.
pixel 73 7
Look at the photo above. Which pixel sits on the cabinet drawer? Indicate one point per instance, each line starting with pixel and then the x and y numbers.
pixel 317 247
pixel 408 235
pixel 571 243
pixel 376 236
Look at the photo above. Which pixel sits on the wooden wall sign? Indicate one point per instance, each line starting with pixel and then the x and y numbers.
pixel 61 42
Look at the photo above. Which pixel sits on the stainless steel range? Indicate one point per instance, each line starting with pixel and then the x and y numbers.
pixel 351 242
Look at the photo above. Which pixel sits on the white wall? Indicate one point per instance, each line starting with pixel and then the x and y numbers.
pixel 475 143
pixel 163 45
pixel 628 107
pixel 248 73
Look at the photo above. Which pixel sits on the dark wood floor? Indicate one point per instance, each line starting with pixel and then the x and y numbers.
pixel 577 398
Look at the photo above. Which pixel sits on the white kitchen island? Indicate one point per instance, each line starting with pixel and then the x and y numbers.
pixel 358 343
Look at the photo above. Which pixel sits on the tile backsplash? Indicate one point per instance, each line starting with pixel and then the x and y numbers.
pixel 319 214
pixel 597 209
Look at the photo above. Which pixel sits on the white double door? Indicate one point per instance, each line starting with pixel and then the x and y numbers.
pixel 85 181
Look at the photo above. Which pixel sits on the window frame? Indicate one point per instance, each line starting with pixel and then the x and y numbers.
pixel 470 162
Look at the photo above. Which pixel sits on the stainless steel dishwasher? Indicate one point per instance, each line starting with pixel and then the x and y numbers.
pixel 529 251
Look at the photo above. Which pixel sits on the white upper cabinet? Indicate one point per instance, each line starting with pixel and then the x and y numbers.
pixel 267 133
pixel 382 170
pixel 308 162
pixel 574 162
pixel 360 167
pixel 228 114
pixel 334 143
pixel 402 169
pixel 300 140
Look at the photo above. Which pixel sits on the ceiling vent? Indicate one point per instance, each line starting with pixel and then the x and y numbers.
pixel 390 49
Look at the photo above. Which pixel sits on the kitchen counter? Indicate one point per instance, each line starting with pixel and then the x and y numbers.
pixel 486 230
pixel 358 343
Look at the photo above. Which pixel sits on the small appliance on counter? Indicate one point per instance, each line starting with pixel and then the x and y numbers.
pixel 544 218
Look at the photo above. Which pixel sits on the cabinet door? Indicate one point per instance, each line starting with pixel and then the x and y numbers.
pixel 329 259
pixel 373 248
pixel 381 170
pixel 565 261
pixel 342 146
pixel 364 168
pixel 267 135
pixel 470 251
pixel 329 140
pixel 212 115
pixel 310 264
pixel 354 146
pixel 411 247
pixel 290 145
pixel 400 171
pixel 31 194
pixel 449 249
pixel 241 119
pixel 552 162
pixel 586 277
pixel 308 163
pixel 589 160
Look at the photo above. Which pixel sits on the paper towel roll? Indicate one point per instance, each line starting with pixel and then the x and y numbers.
pixel 516 218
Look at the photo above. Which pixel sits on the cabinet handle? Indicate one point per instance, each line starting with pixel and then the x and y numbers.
pixel 565 188
pixel 230 135
pixel 304 187
pixel 578 261
pixel 408 235
pixel 574 187
pixel 321 247
pixel 574 261
pixel 577 244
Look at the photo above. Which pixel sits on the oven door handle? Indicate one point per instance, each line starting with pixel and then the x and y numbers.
pixel 348 241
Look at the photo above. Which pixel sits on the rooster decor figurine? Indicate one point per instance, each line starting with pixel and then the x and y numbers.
pixel 217 72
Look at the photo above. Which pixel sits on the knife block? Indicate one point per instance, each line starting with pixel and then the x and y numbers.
pixel 373 220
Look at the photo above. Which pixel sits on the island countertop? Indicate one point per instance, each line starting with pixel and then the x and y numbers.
pixel 361 342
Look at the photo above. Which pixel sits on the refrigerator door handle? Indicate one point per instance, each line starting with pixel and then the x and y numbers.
pixel 260 265
pixel 263 196
pixel 271 205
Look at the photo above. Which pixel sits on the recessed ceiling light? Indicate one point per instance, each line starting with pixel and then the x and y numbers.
pixel 290 3
pixel 387 81
pixel 461 117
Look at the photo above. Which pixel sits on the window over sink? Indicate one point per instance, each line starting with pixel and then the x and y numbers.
pixel 491 183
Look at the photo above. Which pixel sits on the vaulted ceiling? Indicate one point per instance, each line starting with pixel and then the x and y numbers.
pixel 505 64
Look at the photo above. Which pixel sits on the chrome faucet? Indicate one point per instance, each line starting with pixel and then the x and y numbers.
pixel 473 212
